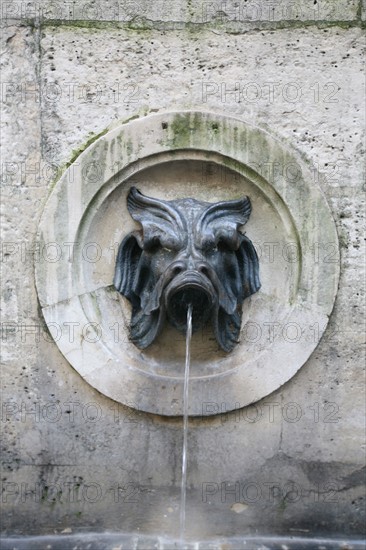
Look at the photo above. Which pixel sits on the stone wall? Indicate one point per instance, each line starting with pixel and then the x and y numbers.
pixel 75 460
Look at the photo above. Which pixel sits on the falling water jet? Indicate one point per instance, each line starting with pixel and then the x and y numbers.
pixel 185 427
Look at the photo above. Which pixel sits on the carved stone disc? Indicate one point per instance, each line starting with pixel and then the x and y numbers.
pixel 210 158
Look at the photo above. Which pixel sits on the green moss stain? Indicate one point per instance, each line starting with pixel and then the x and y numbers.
pixel 129 148
pixel 77 152
pixel 51 498
pixel 74 155
pixel 181 130
pixel 282 505
pixel 95 303
pixel 142 24
pixel 185 129
pixel 129 119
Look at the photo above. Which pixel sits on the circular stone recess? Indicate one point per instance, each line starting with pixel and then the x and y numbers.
pixel 211 158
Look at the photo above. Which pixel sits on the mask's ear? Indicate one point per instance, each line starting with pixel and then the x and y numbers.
pixel 248 267
pixel 127 280
pixel 227 329
pixel 227 325
pixel 128 257
pixel 145 328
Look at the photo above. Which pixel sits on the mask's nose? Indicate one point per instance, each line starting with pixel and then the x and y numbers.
pixel 191 264
pixel 185 264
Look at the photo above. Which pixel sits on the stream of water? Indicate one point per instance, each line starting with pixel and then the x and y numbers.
pixel 183 490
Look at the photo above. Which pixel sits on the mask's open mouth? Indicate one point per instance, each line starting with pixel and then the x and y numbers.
pixel 189 288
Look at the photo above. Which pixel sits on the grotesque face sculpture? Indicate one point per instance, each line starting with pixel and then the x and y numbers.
pixel 188 252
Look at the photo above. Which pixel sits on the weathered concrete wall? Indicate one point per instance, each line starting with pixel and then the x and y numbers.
pixel 74 459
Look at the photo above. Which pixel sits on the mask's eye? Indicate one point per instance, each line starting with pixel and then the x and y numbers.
pixel 209 245
pixel 152 245
pixel 156 243
pixel 169 243
pixel 223 247
pixel 228 243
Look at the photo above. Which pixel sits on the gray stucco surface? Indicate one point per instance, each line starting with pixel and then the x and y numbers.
pixel 73 460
